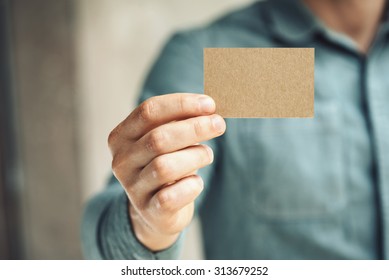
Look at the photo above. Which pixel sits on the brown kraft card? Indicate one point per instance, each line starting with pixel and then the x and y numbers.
pixel 260 82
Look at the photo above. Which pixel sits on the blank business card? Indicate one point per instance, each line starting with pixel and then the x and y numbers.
pixel 260 82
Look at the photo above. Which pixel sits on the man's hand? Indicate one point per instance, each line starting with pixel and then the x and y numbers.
pixel 155 158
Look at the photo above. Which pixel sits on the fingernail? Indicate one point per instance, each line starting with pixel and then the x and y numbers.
pixel 218 123
pixel 207 104
pixel 210 153
pixel 201 184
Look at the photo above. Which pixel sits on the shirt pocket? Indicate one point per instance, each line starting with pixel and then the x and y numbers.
pixel 294 166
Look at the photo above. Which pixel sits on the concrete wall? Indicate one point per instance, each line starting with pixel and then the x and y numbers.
pixel 45 89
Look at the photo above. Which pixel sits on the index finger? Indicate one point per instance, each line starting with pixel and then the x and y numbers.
pixel 162 109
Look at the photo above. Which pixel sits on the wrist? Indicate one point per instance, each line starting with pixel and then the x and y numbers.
pixel 152 240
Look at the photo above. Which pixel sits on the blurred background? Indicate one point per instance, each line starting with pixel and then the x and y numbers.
pixel 70 71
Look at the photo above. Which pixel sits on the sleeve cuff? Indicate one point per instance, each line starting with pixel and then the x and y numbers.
pixel 117 239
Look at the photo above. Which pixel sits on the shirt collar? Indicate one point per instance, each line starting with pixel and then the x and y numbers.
pixel 385 20
pixel 294 22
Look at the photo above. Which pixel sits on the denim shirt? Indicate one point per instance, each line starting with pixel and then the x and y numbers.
pixel 279 188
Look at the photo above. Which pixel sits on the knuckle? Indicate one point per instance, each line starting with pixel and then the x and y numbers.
pixel 116 162
pixel 156 141
pixel 162 168
pixel 115 134
pixel 117 166
pixel 164 202
pixel 147 110
pixel 122 169
pixel 112 137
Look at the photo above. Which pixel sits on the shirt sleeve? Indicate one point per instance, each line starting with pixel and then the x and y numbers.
pixel 107 216
pixel 106 226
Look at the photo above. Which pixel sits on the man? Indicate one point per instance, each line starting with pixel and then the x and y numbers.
pixel 277 188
